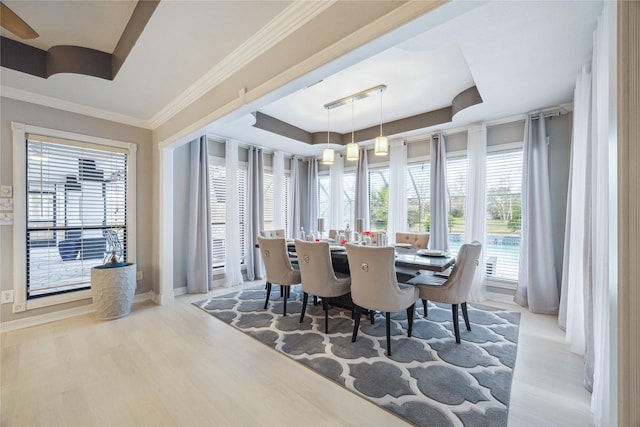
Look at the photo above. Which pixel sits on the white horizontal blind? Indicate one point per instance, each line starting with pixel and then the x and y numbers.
pixel 267 186
pixel 457 193
pixel 324 196
pixel 349 197
pixel 504 187
pixel 217 203
pixel 379 198
pixel 76 196
pixel 418 191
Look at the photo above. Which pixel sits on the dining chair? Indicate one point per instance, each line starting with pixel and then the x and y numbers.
pixel 374 286
pixel 455 289
pixel 416 240
pixel 278 267
pixel 318 277
pixel 272 233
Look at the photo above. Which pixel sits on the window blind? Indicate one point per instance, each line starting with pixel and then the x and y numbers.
pixel 504 187
pixel 268 200
pixel 418 191
pixel 76 196
pixel 217 203
pixel 324 186
pixel 378 198
pixel 457 194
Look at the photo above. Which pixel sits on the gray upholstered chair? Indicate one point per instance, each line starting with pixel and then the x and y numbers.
pixel 272 233
pixel 374 286
pixel 455 289
pixel 278 267
pixel 318 277
pixel 416 240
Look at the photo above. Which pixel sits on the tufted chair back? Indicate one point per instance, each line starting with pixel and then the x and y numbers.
pixel 416 240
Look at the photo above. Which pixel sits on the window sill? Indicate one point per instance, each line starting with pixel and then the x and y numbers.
pixel 501 283
pixel 58 299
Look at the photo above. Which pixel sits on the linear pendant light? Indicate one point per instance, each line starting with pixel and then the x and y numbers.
pixel 352 147
pixel 327 153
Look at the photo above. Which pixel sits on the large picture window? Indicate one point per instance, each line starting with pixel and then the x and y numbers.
pixel 504 213
pixel 218 198
pixel 418 191
pixel 268 200
pixel 457 195
pixel 379 198
pixel 76 194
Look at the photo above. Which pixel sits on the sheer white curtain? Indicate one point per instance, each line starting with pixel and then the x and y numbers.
pixel 279 211
pixel 397 220
pixel 537 285
pixel 312 195
pixel 362 189
pixel 590 234
pixel 233 275
pixel 254 215
pixel 604 216
pixel 476 203
pixel 294 199
pixel 439 228
pixel 336 213
pixel 199 262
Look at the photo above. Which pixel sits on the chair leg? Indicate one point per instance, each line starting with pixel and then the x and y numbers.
pixel 466 316
pixel 288 291
pixel 356 323
pixel 281 291
pixel 315 300
pixel 325 307
pixel 456 327
pixel 424 305
pixel 372 316
pixel 266 301
pixel 304 305
pixel 284 308
pixel 388 321
pixel 410 312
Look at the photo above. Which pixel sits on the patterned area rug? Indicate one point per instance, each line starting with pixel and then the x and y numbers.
pixel 429 380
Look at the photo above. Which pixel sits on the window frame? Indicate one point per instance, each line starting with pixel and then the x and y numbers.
pixel 19 134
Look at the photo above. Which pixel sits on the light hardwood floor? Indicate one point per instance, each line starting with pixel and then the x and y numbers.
pixel 175 365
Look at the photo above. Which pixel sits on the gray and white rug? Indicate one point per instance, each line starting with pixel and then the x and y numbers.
pixel 429 380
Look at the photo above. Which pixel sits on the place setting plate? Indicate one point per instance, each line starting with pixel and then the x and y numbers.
pixel 403 245
pixel 431 252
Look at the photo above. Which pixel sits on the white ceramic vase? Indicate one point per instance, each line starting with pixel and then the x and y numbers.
pixel 112 289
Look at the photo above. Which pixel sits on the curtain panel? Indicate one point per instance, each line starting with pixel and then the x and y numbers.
pixel 312 198
pixel 537 285
pixel 439 221
pixel 254 214
pixel 336 214
pixel 361 206
pixel 199 262
pixel 476 203
pixel 294 199
pixel 232 236
pixel 279 213
pixel 397 220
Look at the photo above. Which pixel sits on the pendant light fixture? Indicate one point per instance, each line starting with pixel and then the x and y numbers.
pixel 327 153
pixel 381 143
pixel 352 147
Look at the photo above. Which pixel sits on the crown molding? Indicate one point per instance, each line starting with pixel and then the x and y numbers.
pixel 291 19
pixel 72 107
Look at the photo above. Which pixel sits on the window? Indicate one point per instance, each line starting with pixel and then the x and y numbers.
pixel 76 193
pixel 457 195
pixel 324 187
pixel 504 186
pixel 348 199
pixel 379 198
pixel 418 191
pixel 217 188
pixel 268 200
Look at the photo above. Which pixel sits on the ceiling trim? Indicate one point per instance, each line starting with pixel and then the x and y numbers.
pixel 77 59
pixel 47 101
pixel 291 19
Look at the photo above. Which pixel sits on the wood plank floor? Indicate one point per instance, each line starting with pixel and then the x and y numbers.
pixel 175 365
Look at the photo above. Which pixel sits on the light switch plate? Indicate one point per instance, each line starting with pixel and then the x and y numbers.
pixel 7 297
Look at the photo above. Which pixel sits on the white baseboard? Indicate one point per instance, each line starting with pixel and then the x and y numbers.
pixel 504 298
pixel 179 291
pixel 41 319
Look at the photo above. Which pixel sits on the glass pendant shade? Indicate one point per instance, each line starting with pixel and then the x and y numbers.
pixel 381 146
pixel 327 156
pixel 352 151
